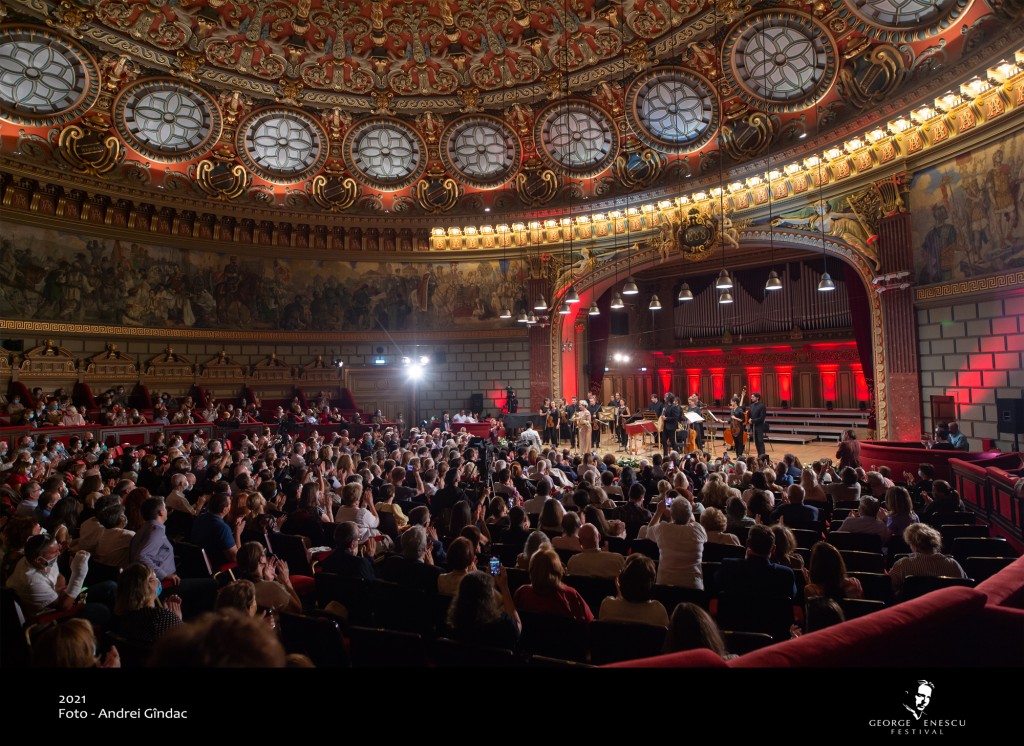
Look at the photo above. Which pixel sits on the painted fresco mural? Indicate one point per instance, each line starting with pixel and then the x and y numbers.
pixel 49 275
pixel 967 213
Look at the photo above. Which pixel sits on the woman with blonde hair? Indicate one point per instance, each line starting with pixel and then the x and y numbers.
pixel 71 645
pixel 142 619
pixel 714 522
pixel 546 594
pixel 926 557
pixel 813 492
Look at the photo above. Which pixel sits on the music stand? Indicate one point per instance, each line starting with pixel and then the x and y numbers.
pixel 714 423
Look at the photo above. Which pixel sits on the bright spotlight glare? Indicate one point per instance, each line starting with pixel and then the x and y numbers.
pixel 415 372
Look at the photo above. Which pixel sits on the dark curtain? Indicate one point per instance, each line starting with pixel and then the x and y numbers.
pixel 860 313
pixel 598 329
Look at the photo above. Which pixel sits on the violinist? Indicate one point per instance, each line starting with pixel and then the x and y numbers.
pixel 738 420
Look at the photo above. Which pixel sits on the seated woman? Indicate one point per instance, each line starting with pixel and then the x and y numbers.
pixel 828 575
pixel 387 505
pixel 461 562
pixel 784 553
pixel 270 575
pixel 551 516
pixel 569 539
pixel 926 557
pixel 142 619
pixel 71 645
pixel 546 594
pixel 940 504
pixel 901 515
pixel 636 588
pixel 692 628
pixel 714 522
pixel 483 612
pixel 536 541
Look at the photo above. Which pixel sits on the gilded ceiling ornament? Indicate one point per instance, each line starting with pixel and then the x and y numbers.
pixel 336 192
pixel 90 149
pixel 221 179
pixel 437 194
pixel 872 75
pixel 290 91
pixel 167 120
pixel 382 102
pixel 188 66
pixel 534 184
pixel 70 19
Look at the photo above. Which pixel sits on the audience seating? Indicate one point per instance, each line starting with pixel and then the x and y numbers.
pixel 559 637
pixel 593 590
pixel 355 594
pixel 855 542
pixel 292 549
pixel 448 653
pixel 386 648
pixel 957 531
pixel 978 547
pixel 876 586
pixel 671 596
pixel 771 615
pixel 853 608
pixel 739 643
pixel 918 585
pixel 863 561
pixel 611 642
pixel 983 568
pixel 317 637
pixel 718 552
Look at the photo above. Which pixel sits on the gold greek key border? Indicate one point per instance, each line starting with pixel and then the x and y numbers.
pixel 974 285
pixel 277 337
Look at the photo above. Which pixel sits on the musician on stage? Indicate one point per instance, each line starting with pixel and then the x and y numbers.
pixel 582 420
pixel 758 413
pixel 622 416
pixel 693 405
pixel 594 407
pixel 512 403
pixel 672 413
pixel 736 420
pixel 570 420
pixel 656 405
pixel 552 423
pixel 616 400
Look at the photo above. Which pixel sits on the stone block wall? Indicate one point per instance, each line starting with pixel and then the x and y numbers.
pixel 975 353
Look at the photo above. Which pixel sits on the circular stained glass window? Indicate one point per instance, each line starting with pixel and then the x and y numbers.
pixel 673 110
pixel 167 120
pixel 43 77
pixel 785 59
pixel 282 145
pixel 385 153
pixel 576 138
pixel 481 151
pixel 902 14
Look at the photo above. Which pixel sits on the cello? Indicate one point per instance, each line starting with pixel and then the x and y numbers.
pixel 738 429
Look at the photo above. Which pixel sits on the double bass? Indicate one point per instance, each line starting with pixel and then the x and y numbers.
pixel 738 429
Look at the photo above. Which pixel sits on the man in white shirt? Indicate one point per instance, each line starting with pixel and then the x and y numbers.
pixel 530 436
pixel 40 587
pixel 535 504
pixel 592 562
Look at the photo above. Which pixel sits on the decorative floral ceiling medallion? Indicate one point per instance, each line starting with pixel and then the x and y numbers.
pixel 782 60
pixel 385 153
pixel 672 109
pixel 44 78
pixel 282 145
pixel 167 120
pixel 576 138
pixel 481 151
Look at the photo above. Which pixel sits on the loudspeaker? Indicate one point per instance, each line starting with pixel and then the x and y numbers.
pixel 476 402
pixel 1010 415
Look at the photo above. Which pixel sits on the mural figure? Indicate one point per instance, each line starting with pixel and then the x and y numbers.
pixel 55 276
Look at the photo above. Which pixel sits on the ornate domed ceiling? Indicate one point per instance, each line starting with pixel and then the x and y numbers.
pixel 350 107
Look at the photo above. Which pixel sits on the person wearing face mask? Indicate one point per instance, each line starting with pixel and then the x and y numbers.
pixel 53 414
pixel 41 588
pixel 16 410
pixel 177 500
